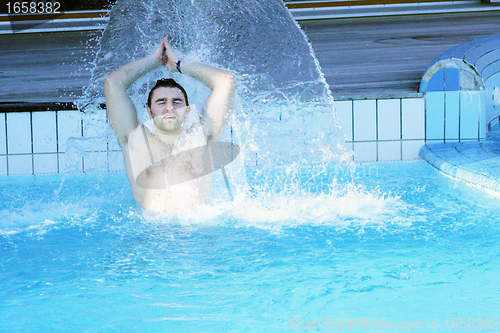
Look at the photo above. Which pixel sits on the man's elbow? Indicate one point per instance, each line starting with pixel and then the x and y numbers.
pixel 112 84
pixel 109 81
pixel 230 80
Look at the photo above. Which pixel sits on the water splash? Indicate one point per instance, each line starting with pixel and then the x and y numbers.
pixel 284 112
pixel 280 84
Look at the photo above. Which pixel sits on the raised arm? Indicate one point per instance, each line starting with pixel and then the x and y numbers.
pixel 120 108
pixel 219 104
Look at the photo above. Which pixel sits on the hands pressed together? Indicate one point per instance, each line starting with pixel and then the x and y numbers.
pixel 165 55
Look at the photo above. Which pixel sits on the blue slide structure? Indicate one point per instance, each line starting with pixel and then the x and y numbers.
pixel 462 96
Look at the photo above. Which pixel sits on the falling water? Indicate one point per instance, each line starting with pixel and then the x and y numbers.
pixel 284 114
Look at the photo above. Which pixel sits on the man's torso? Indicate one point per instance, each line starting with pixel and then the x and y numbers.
pixel 159 174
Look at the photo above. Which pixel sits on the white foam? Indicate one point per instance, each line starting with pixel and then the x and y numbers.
pixel 352 205
pixel 37 218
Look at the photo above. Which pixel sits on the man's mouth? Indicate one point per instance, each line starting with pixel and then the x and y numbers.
pixel 169 117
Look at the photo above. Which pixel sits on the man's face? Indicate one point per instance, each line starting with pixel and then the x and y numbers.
pixel 168 109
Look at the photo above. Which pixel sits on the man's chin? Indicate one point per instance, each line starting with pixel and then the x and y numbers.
pixel 170 128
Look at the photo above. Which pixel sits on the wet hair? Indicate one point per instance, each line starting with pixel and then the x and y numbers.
pixel 167 83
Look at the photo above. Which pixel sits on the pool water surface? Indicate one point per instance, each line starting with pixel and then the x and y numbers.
pixel 365 246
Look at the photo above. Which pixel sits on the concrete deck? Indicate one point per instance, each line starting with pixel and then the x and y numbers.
pixel 361 57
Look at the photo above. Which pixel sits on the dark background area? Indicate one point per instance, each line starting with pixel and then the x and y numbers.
pixel 379 57
pixel 66 5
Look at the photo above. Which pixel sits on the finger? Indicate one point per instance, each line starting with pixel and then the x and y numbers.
pixel 165 41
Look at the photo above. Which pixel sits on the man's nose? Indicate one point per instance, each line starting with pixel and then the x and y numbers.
pixel 169 106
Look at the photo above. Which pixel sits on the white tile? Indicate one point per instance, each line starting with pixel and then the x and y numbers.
pixel 435 115
pixel 70 163
pixel 44 132
pixel 3 134
pixel 365 151
pixel 389 119
pixel 470 108
pixel 389 151
pixel 343 109
pixel 365 120
pixel 96 129
pixel 413 118
pixel 113 142
pixel 115 161
pixel 20 165
pixel 452 115
pixel 19 133
pixel 411 149
pixel 45 163
pixel 95 124
pixel 95 162
pixel 482 116
pixel 69 124
pixel 3 165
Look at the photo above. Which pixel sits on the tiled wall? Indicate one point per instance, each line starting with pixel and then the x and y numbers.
pixel 455 116
pixel 36 143
pixel 383 130
pixel 377 130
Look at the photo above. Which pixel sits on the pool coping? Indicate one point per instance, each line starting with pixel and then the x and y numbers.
pixel 455 171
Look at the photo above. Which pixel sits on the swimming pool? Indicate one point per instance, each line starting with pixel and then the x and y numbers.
pixel 367 248
pixel 396 245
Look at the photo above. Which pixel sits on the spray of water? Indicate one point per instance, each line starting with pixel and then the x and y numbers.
pixel 283 120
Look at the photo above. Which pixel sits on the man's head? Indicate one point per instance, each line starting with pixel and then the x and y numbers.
pixel 167 83
pixel 168 106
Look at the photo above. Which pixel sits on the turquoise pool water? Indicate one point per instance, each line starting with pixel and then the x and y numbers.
pixel 386 243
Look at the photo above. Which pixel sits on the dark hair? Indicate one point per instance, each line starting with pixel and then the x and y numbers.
pixel 167 83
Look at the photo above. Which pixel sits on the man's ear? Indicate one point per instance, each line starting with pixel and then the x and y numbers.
pixel 149 112
pixel 188 108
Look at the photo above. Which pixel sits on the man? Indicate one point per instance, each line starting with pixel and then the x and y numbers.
pixel 153 151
